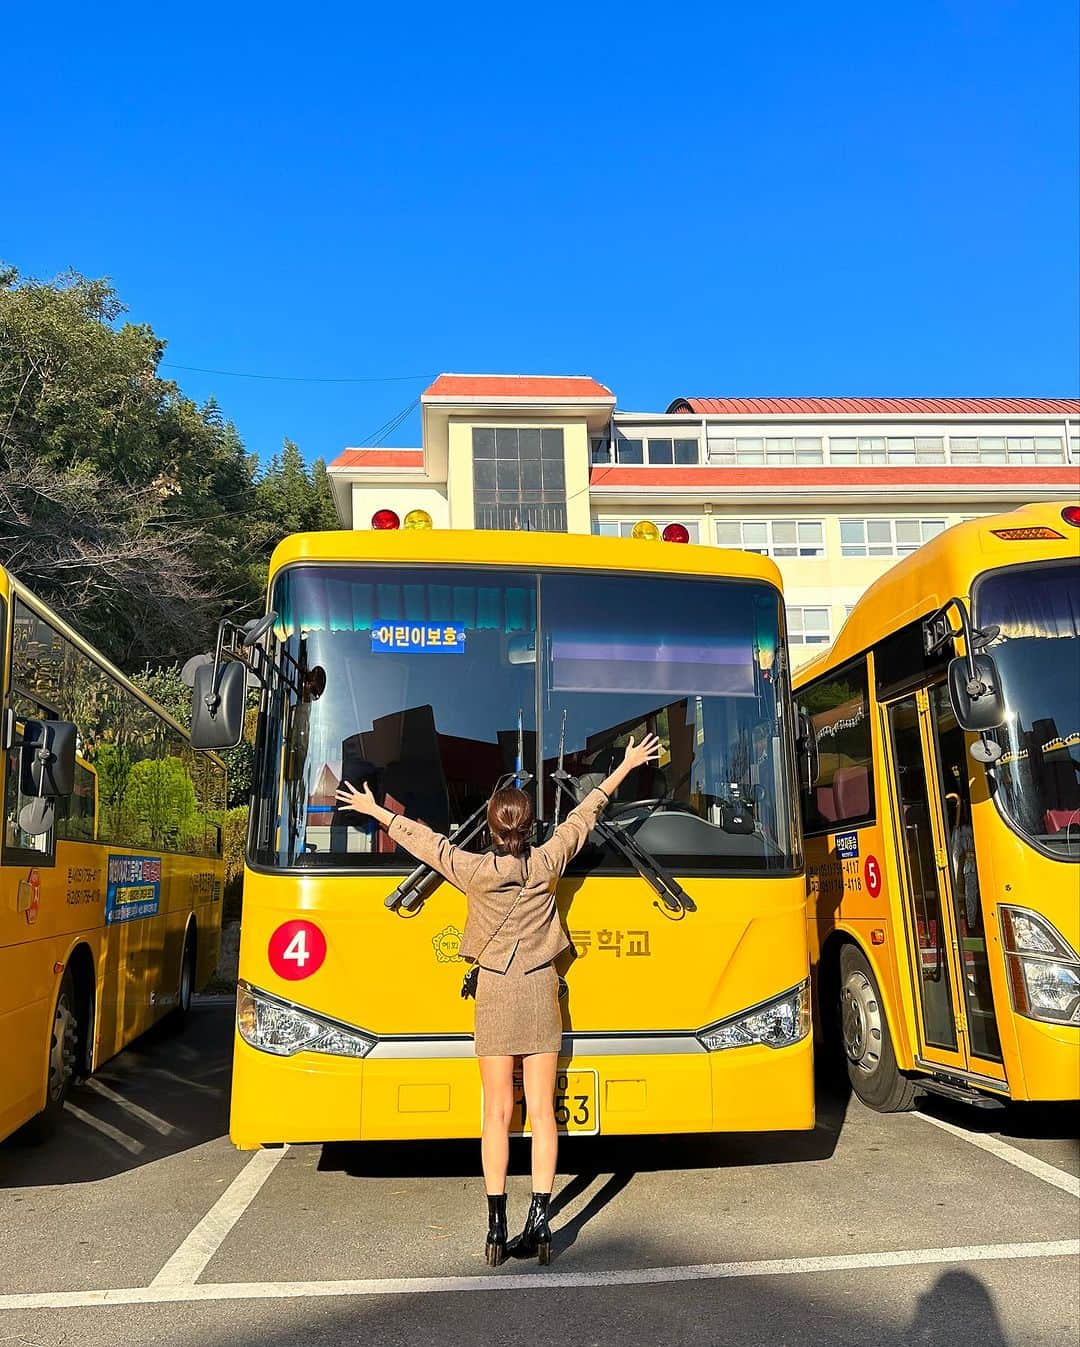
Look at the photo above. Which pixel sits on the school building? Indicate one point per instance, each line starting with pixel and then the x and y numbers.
pixel 835 489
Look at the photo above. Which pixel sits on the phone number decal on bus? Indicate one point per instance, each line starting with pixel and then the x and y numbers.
pixel 133 888
pixel 431 637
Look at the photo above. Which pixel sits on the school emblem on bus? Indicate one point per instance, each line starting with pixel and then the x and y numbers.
pixel 447 945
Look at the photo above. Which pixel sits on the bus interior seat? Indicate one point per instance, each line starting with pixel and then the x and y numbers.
pixel 851 787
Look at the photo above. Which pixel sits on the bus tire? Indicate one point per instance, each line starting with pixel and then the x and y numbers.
pixel 186 986
pixel 871 1060
pixel 65 1034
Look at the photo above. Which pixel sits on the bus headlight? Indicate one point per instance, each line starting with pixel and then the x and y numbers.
pixel 1044 970
pixel 272 1025
pixel 777 1023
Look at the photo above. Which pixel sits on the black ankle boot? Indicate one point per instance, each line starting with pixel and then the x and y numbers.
pixel 535 1240
pixel 495 1250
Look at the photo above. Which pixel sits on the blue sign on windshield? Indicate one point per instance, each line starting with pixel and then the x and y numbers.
pixel 434 638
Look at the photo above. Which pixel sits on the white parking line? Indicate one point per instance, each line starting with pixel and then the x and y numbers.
pixel 144 1115
pixel 129 1144
pixel 187 1263
pixel 1030 1164
pixel 156 1294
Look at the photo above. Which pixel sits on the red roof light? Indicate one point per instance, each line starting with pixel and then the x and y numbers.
pixel 1071 515
pixel 676 533
pixel 385 519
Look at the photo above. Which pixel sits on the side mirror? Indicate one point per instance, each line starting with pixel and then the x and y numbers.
pixel 807 753
pixel 975 693
pixel 218 703
pixel 48 759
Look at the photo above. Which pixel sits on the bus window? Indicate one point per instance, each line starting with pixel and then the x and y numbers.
pixel 924 891
pixel 1037 780
pixel 696 663
pixel 843 795
pixel 421 682
pixel 964 870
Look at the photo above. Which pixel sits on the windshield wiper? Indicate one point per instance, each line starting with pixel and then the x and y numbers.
pixel 416 885
pixel 668 889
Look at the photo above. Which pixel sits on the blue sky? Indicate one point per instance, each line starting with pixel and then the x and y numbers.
pixel 718 199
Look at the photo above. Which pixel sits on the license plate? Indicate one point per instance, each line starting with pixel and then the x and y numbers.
pixel 576 1109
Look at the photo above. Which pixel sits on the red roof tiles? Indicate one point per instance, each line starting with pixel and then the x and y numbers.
pixel 877 406
pixel 379 458
pixel 524 386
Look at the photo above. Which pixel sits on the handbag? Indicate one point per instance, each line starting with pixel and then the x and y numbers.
pixel 472 978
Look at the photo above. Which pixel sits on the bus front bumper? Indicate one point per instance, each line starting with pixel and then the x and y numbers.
pixel 317 1098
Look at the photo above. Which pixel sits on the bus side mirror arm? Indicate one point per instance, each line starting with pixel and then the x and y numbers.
pixel 806 745
pixel 974 681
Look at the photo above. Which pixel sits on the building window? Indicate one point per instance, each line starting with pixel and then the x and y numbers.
pixel 900 450
pixel 886 537
pixel 773 537
pixel 600 451
pixel 1006 449
pixel 808 626
pixel 673 451
pixel 759 451
pixel 629 451
pixel 519 479
pixel 622 528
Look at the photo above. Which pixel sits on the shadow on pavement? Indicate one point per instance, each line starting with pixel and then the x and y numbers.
pixel 165 1093
pixel 598 1155
pixel 957 1311
pixel 1023 1122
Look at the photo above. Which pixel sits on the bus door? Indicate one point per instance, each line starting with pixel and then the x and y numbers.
pixel 946 943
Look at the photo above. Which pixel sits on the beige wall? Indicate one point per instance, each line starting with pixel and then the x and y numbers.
pixel 459 482
pixel 371 496
pixel 576 443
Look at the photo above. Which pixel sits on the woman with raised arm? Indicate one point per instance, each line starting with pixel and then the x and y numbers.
pixel 513 933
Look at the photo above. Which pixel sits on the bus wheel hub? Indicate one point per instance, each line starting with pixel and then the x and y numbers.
pixel 62 1053
pixel 860 1018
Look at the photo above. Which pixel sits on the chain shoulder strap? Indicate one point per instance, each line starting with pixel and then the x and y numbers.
pixel 509 913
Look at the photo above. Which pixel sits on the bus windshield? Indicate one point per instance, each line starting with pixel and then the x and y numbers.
pixel 430 684
pixel 1037 779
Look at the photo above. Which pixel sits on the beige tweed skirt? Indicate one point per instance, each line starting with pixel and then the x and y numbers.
pixel 517 1013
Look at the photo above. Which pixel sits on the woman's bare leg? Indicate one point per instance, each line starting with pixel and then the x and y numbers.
pixel 497 1077
pixel 539 1072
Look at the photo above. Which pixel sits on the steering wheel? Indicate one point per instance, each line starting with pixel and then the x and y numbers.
pixel 624 806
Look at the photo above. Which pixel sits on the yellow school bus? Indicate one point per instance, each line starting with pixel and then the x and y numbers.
pixel 943 827
pixel 110 866
pixel 433 664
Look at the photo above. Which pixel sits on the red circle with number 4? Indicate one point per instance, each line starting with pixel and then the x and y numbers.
pixel 297 949
pixel 872 875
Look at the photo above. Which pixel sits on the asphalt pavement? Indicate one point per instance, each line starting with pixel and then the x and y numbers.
pixel 138 1223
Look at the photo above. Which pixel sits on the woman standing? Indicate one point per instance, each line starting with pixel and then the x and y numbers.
pixel 513 933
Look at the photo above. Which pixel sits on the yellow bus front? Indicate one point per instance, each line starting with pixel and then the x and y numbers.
pixel 431 665
pixel 1027 815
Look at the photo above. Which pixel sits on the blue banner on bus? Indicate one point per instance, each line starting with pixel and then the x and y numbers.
pixel 847 846
pixel 133 888
pixel 434 638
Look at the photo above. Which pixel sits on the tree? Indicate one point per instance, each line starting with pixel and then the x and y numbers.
pixel 167 688
pixel 291 498
pixel 122 503
pixel 138 515
pixel 159 801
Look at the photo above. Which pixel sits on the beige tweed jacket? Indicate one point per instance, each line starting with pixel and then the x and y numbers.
pixel 491 883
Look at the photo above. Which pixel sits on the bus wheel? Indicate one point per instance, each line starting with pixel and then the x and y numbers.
pixel 63 1061
pixel 187 982
pixel 871 1061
